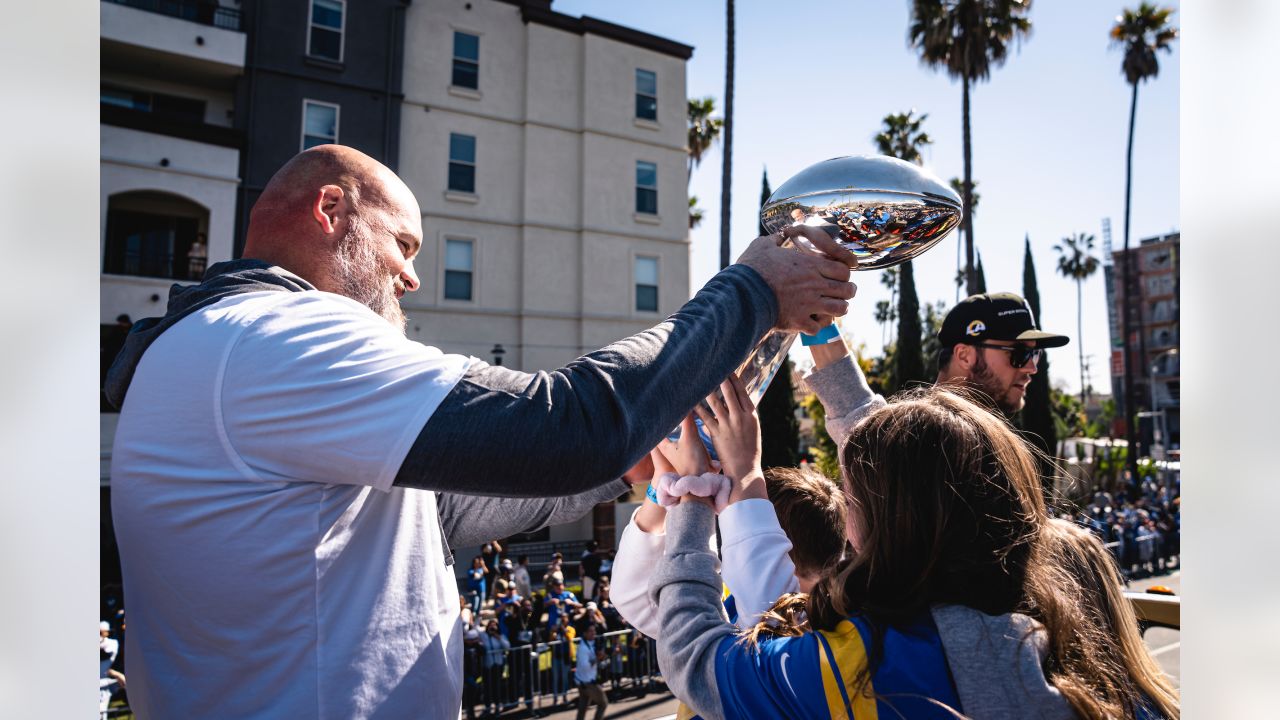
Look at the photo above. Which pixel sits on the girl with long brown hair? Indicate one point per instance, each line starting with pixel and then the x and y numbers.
pixel 935 611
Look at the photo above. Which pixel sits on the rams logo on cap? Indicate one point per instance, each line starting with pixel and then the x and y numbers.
pixel 976 328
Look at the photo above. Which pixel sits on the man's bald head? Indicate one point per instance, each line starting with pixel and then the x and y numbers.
pixel 324 205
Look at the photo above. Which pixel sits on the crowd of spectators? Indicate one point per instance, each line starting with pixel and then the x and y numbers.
pixel 510 631
pixel 1141 522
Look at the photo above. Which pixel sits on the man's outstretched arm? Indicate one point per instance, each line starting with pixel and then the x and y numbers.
pixel 508 433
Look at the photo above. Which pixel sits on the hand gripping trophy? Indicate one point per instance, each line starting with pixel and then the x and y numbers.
pixel 885 210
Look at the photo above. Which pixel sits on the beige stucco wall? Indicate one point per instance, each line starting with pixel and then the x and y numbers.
pixel 553 215
pixel 201 173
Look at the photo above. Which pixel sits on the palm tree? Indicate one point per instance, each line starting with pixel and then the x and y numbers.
pixel 958 185
pixel 726 167
pixel 1077 262
pixel 695 212
pixel 1141 33
pixel 902 137
pixel 704 130
pixel 967 38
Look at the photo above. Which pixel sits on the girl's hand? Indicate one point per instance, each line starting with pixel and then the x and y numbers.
pixel 734 428
pixel 687 456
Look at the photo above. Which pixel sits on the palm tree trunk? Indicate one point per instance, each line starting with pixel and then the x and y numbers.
pixel 971 277
pixel 726 168
pixel 1130 397
pixel 1080 335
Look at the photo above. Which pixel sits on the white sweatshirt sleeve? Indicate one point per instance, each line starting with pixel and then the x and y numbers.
pixel 637 556
pixel 756 565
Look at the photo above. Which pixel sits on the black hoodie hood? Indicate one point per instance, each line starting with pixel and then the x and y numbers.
pixel 221 280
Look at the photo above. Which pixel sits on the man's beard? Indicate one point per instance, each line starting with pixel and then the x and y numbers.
pixel 983 379
pixel 364 279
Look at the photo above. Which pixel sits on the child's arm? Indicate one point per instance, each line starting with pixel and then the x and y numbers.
pixel 842 388
pixel 756 568
pixel 642 543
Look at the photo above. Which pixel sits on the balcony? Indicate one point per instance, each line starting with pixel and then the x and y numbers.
pixel 205 12
pixel 178 40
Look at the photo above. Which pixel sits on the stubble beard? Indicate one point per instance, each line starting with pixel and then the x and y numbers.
pixel 364 279
pixel 982 378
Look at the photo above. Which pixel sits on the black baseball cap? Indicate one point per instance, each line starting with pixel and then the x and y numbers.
pixel 994 316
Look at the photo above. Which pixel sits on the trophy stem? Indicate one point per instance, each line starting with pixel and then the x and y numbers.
pixel 764 361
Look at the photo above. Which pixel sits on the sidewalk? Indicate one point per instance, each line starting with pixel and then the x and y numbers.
pixel 652 706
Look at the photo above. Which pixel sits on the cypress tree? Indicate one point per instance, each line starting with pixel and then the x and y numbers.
pixel 779 428
pixel 765 192
pixel 909 354
pixel 1036 419
pixel 980 278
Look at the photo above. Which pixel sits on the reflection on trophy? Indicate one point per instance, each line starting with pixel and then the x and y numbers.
pixel 885 210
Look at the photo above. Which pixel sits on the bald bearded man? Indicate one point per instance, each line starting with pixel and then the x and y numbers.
pixel 282 447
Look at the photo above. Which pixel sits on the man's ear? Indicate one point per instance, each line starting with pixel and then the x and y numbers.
pixel 964 355
pixel 330 205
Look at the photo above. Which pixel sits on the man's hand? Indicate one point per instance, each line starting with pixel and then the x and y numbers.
pixel 811 289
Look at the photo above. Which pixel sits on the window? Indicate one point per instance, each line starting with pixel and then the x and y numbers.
pixel 646 95
pixel 459 265
pixel 319 123
pixel 169 107
pixel 152 245
pixel 466 60
pixel 646 284
pixel 462 163
pixel 327 19
pixel 646 188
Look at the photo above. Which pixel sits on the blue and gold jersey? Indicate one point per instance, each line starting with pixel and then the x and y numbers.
pixel 816 675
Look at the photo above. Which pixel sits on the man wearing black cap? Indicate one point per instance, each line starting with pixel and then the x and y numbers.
pixel 990 342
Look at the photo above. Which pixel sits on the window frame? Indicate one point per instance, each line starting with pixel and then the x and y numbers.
pixel 445 269
pixel 342 31
pixel 653 189
pixel 639 95
pixel 473 164
pixel 337 121
pixel 455 59
pixel 636 284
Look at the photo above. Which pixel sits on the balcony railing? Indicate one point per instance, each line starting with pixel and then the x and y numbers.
pixel 205 12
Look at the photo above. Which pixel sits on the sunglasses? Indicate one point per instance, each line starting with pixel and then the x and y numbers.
pixel 1019 355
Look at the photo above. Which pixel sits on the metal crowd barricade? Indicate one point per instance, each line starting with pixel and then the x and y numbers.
pixel 527 674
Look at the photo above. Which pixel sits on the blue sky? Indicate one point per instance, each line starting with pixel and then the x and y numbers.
pixel 814 79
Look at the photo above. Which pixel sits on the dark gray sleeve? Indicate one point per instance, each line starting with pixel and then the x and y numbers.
pixel 507 433
pixel 692 623
pixel 475 519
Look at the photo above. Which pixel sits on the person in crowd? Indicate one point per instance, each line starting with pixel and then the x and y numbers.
pixel 912 622
pixel 585 673
pixel 560 602
pixel 295 374
pixel 521 628
pixel 589 569
pixel 495 648
pixel 109 678
pixel 560 638
pixel 503 584
pixel 591 615
pixel 491 552
pixel 555 569
pixel 476 585
pixel 521 576
pixel 472 670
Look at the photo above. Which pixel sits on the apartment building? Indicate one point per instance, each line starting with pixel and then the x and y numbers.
pixel 1157 380
pixel 548 154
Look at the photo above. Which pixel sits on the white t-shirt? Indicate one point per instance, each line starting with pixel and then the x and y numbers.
pixel 270 567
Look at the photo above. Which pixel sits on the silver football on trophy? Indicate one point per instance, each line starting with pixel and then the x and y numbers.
pixel 885 210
